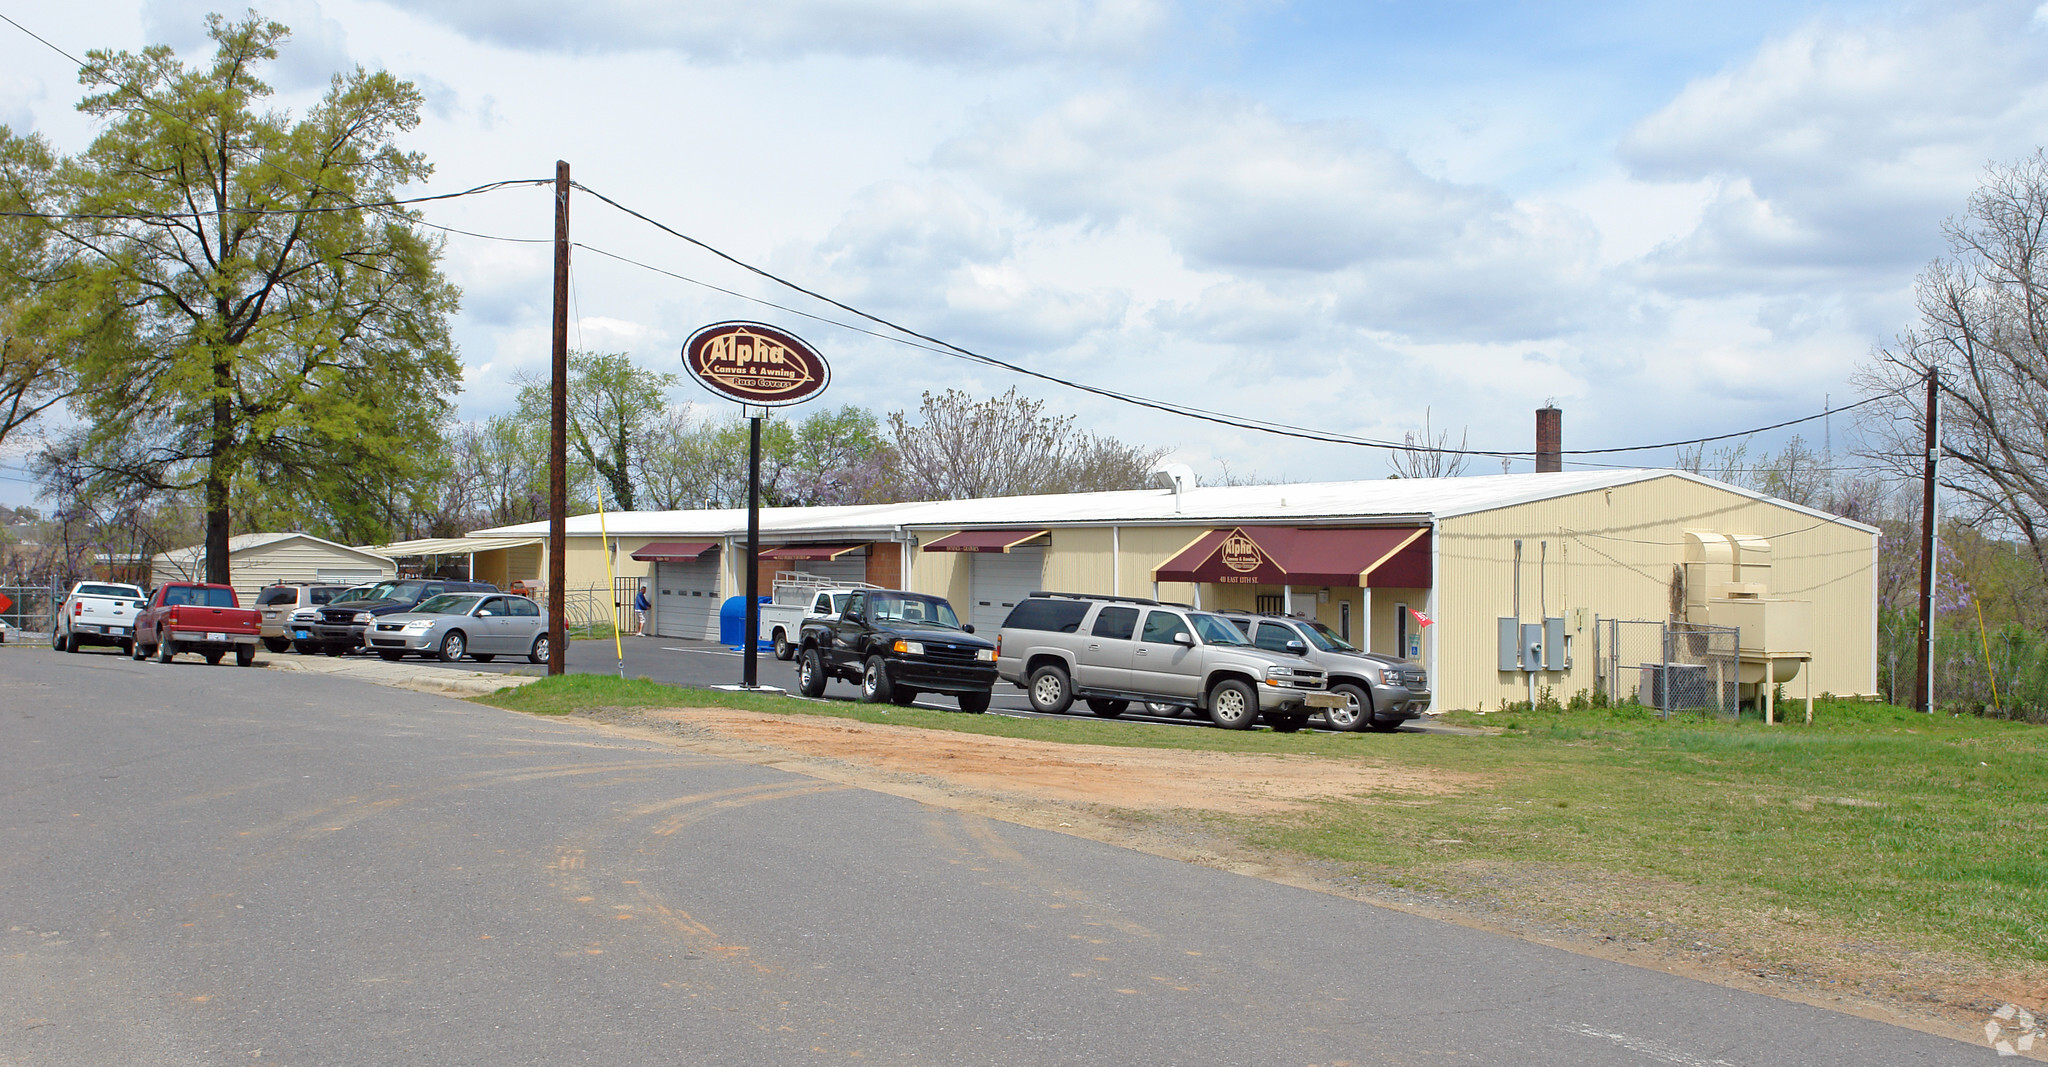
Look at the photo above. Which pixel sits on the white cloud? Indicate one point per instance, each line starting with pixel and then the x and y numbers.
pixel 1836 149
pixel 939 31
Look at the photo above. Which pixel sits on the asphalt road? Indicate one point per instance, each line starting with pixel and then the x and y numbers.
pixel 206 865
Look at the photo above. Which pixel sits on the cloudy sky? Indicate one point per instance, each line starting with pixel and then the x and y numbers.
pixel 1672 219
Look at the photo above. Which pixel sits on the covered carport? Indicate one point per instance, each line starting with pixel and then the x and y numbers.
pixel 1266 568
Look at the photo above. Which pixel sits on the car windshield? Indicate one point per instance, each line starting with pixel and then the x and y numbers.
pixel 448 604
pixel 1326 639
pixel 1216 630
pixel 390 591
pixel 915 610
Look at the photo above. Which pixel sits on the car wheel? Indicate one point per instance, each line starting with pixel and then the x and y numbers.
pixel 390 654
pixel 277 644
pixel 974 703
pixel 452 646
pixel 1356 712
pixel 1233 705
pixel 874 681
pixel 1051 691
pixel 57 641
pixel 128 649
pixel 541 648
pixel 138 650
pixel 332 650
pixel 903 697
pixel 165 649
pixel 213 658
pixel 245 655
pixel 484 657
pixel 810 674
pixel 73 644
pixel 1108 709
pixel 784 651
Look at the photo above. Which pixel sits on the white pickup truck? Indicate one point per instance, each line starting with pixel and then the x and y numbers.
pixel 97 613
pixel 798 597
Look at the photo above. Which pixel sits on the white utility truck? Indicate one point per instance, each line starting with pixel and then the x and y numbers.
pixel 798 596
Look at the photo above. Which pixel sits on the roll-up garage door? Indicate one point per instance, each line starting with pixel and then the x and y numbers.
pixel 997 581
pixel 686 598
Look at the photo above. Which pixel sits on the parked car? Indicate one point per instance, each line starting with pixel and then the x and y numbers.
pixel 196 617
pixel 1111 651
pixel 299 627
pixel 97 613
pixel 482 626
pixel 341 625
pixel 279 603
pixel 897 646
pixel 1380 692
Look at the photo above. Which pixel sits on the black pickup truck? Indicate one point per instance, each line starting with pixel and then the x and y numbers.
pixel 895 646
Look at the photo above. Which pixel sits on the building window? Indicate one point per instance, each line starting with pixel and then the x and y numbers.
pixel 1344 619
pixel 1401 630
pixel 1270 603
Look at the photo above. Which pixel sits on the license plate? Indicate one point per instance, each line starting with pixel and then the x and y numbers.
pixel 302 634
pixel 1326 700
pixel 216 637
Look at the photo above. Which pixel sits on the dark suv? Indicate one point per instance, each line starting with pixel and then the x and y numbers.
pixel 1380 692
pixel 340 626
pixel 896 645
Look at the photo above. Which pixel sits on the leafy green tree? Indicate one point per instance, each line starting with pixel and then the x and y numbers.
pixel 295 358
pixel 612 407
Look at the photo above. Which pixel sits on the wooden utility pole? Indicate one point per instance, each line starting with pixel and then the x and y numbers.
pixel 1923 690
pixel 558 438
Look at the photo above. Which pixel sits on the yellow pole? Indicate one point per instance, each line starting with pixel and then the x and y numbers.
pixel 1988 672
pixel 604 536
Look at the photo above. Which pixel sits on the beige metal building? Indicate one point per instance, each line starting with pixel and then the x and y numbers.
pixel 1451 572
pixel 258 560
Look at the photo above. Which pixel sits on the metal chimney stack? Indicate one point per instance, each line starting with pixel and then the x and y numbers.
pixel 1549 439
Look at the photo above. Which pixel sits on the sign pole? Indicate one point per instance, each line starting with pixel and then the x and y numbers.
pixel 750 642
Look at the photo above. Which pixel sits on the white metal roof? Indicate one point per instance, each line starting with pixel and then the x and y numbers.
pixel 1382 500
pixel 453 546
pixel 191 554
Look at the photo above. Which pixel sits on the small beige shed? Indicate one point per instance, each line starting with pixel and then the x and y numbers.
pixel 263 559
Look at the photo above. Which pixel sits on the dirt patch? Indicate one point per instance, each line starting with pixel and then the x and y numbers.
pixel 1146 779
pixel 1181 805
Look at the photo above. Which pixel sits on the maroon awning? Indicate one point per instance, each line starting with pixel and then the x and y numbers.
pixel 1382 557
pixel 673 551
pixel 810 551
pixel 983 540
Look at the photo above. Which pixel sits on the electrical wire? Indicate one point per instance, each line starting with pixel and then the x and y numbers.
pixel 946 348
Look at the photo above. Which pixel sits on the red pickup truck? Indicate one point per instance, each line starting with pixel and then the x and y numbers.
pixel 192 617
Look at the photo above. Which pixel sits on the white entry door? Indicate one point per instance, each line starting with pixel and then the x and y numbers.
pixel 686 598
pixel 996 582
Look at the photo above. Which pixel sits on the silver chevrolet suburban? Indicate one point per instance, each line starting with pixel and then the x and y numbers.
pixel 1110 651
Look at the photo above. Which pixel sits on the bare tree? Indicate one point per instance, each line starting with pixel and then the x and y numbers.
pixel 1429 456
pixel 1984 326
pixel 961 449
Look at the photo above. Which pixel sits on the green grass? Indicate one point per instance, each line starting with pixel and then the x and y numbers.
pixel 1875 822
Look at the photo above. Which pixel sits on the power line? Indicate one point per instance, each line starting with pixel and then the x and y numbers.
pixel 1188 411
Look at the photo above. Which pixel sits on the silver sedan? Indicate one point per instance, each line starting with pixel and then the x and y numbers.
pixel 482 626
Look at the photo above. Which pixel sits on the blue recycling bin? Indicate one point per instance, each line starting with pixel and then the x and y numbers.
pixel 732 622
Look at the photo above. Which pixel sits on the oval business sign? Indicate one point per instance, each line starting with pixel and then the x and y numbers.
pixel 755 364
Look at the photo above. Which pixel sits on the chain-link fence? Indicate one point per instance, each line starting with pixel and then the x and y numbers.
pixel 1671 667
pixel 31 608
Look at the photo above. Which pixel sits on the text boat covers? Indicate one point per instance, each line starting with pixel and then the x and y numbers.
pixel 673 551
pixel 810 551
pixel 984 540
pixel 1382 557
